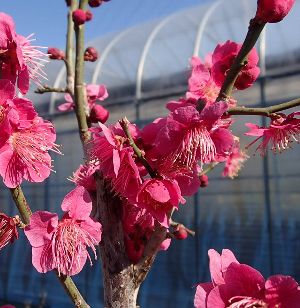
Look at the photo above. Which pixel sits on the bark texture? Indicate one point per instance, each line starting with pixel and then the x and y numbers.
pixel 121 278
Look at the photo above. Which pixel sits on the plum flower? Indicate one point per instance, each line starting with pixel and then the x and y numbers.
pixel 94 93
pixel 189 136
pixel 235 161
pixel 273 10
pixel 25 153
pixel 201 83
pixel 84 176
pixel 222 59
pixel 63 244
pixel 236 285
pixel 8 229
pixel 19 60
pixel 282 131
pixel 159 197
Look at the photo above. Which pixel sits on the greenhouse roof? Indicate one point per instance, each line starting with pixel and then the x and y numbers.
pixel 154 56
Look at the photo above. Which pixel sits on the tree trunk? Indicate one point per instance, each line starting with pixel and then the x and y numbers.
pixel 121 278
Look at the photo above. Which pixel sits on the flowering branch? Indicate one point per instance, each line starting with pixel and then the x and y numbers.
pixel 254 30
pixel 124 124
pixel 47 89
pixel 266 111
pixel 79 91
pixel 67 282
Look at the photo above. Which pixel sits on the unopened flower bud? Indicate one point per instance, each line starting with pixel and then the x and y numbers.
pixel 95 3
pixel 8 229
pixel 180 233
pixel 203 180
pixel 79 17
pixel 68 2
pixel 273 10
pixel 88 15
pixel 90 54
pixel 55 53
pixel 99 114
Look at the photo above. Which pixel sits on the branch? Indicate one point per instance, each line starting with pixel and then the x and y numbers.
pixel 124 124
pixel 47 89
pixel 21 203
pixel 80 97
pixel 70 49
pixel 240 61
pixel 67 282
pixel 266 111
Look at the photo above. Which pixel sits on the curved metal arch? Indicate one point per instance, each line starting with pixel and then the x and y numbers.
pixel 57 82
pixel 141 65
pixel 105 53
pixel 202 26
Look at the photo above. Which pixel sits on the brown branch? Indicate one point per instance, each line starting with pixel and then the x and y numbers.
pixel 266 111
pixel 124 124
pixel 25 212
pixel 47 89
pixel 79 91
pixel 240 61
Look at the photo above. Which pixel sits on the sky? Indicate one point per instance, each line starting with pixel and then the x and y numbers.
pixel 47 19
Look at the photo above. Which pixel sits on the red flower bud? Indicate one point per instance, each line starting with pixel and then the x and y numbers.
pixel 99 114
pixel 68 2
pixel 55 53
pixel 88 15
pixel 203 180
pixel 95 3
pixel 180 233
pixel 273 10
pixel 8 229
pixel 90 54
pixel 79 17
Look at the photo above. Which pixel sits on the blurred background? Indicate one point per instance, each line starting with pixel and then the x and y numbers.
pixel 145 47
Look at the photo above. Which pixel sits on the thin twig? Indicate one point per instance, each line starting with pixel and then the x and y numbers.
pixel 175 224
pixel 47 89
pixel 124 124
pixel 266 111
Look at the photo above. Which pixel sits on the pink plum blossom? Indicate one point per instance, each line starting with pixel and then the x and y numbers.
pixel 138 225
pixel 84 176
pixel 94 93
pixel 159 197
pixel 222 59
pixel 19 60
pixel 273 10
pixel 234 161
pixel 201 83
pixel 98 114
pixel 63 244
pixel 25 153
pixel 236 285
pixel 8 229
pixel 189 136
pixel 282 131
